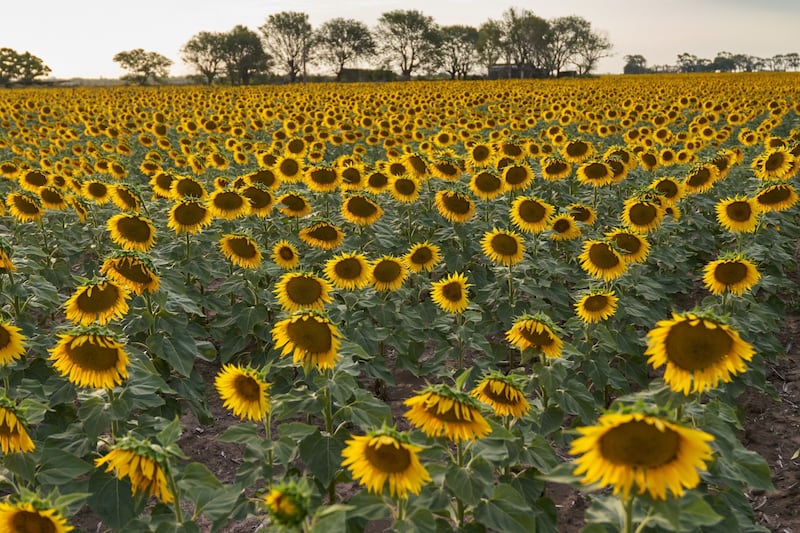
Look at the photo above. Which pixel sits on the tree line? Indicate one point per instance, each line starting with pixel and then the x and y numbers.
pixel 22 68
pixel 402 40
pixel 723 62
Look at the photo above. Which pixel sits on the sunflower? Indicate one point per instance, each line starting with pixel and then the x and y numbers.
pixel 642 213
pixel 360 210
pixel 669 189
pixel 243 391
pixel 284 254
pixel 187 187
pixel 310 337
pixel 454 206
pixel 404 188
pixel 480 155
pixel 385 455
pixel 264 177
pixel 635 449
pixel 503 247
pixel 596 174
pixel 6 264
pixel 13 434
pixel 322 179
pixel 600 260
pixel 352 176
pixel 12 343
pixel 100 302
pixel 582 213
pixel 423 256
pixel 699 350
pixel 124 198
pixel 323 235
pixel 577 151
pixel 730 273
pixel 554 168
pixel 288 504
pixel 517 177
pixel 348 271
pixel 537 332
pixel 299 290
pixel 776 197
pixel 701 178
pixel 563 228
pixel 24 206
pixel 241 250
pixel 632 246
pixel 144 464
pixel 596 305
pixel 503 393
pixel 96 191
pixel 388 273
pixel 531 214
pixel 132 270
pixel 487 184
pixel 293 205
pixel 776 163
pixel 189 216
pixel 228 204
pixel 132 232
pixel 27 517
pixel 377 182
pixel 441 411
pixel 451 293
pixel 52 198
pixel 161 184
pixel 90 358
pixel 738 214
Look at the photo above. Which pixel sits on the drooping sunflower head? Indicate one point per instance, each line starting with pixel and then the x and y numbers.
pixel 388 273
pixel 284 254
pixel 361 210
pixel 299 290
pixel 423 256
pixel 14 435
pixel 243 391
pixel 32 515
pixel 90 357
pixel 241 250
pixel 132 232
pixel 503 247
pixel 189 216
pixel 143 463
pixel 348 271
pixel 503 393
pixel 537 332
pixel 738 214
pixel 628 451
pixel 293 205
pixel 385 455
pixel 776 197
pixel 698 351
pixel 310 337
pixel 133 270
pixel 601 260
pixel 12 343
pixel 454 206
pixel 125 198
pixel 25 206
pixel 582 213
pixel 732 273
pixel 451 293
pixel 701 178
pixel 100 301
pixel 531 214
pixel 596 305
pixel 52 198
pixel 322 235
pixel 441 411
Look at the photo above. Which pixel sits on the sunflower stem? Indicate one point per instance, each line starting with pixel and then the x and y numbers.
pixel 401 509
pixel 45 244
pixel 267 420
pixel 176 492
pixel 627 525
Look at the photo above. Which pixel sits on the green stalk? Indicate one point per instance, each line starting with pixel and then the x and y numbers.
pixel 627 504
pixel 270 454
pixel 173 486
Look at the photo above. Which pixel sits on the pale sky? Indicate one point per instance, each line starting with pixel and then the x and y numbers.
pixel 78 38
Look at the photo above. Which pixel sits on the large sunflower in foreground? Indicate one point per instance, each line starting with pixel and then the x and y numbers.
pixel 26 517
pixel 310 337
pixel 101 301
pixel 132 232
pixel 734 274
pixel 536 332
pixel 385 455
pixel 142 463
pixel 635 451
pixel 600 260
pixel 12 343
pixel 241 250
pixel 503 393
pixel 503 247
pixel 423 256
pixel 450 293
pixel 302 290
pixel 698 351
pixel 243 392
pixel 90 358
pixel 24 206
pixel 738 214
pixel 348 271
pixel 13 434
pixel 596 305
pixel 441 411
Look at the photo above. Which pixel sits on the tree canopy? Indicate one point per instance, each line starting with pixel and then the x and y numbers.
pixel 22 68
pixel 143 66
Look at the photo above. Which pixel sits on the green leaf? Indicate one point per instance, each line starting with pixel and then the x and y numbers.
pixel 506 511
pixel 418 521
pixel 464 486
pixel 322 455
pixel 58 467
pixel 111 500
pixel 171 433
pixel 686 513
pixel 330 518
pixel 180 361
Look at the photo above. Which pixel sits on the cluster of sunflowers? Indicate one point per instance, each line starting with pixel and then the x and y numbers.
pixel 511 224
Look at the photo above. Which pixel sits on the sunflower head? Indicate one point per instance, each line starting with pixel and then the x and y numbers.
pixel 451 293
pixel 284 254
pixel 90 357
pixel 503 247
pixel 732 272
pixel 310 337
pixel 441 411
pixel 243 391
pixel 348 271
pixel 32 513
pixel 12 343
pixel 423 256
pixel 537 332
pixel 596 305
pixel 241 250
pixel 145 464
pixel 13 429
pixel 288 503
pixel 503 393
pixel 99 301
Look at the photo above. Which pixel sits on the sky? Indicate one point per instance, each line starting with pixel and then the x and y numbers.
pixel 79 38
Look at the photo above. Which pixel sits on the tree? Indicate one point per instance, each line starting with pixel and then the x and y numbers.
pixel 143 66
pixel 244 55
pixel 206 53
pixel 563 37
pixel 526 35
pixel 408 37
pixel 288 39
pixel 591 48
pixel 458 49
pixel 492 45
pixel 635 64
pixel 340 41
pixel 22 68
pixel 792 60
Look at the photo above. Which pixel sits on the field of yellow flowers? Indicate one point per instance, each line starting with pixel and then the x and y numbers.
pixel 583 275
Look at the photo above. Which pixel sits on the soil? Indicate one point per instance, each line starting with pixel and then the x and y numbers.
pixel 772 428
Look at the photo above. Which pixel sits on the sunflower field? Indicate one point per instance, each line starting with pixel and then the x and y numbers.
pixel 581 276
